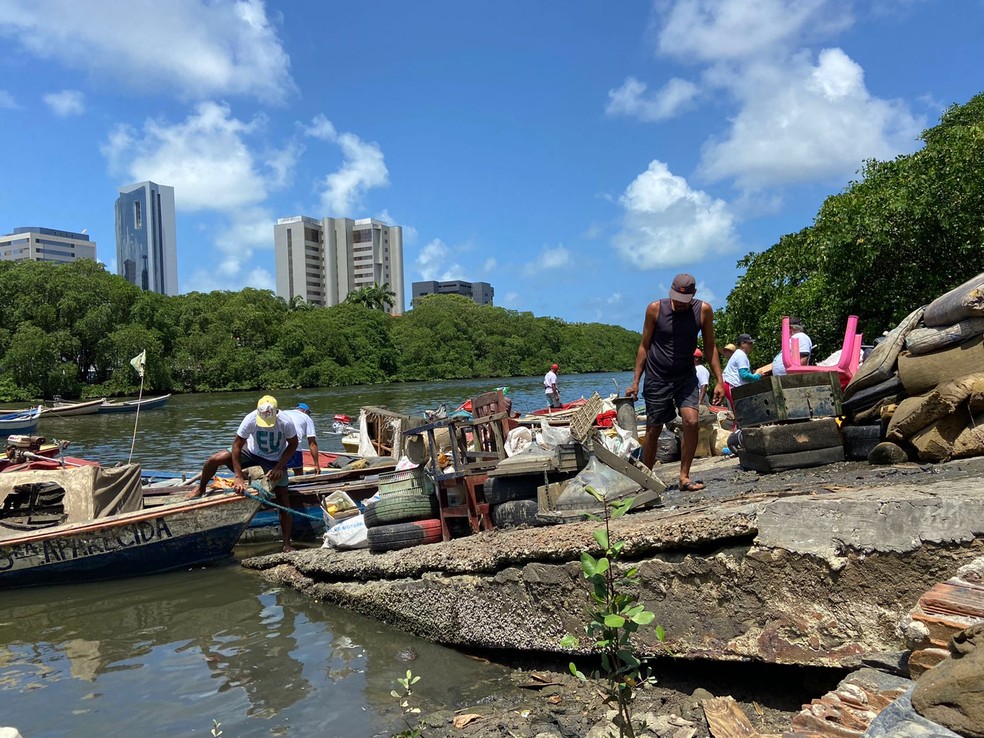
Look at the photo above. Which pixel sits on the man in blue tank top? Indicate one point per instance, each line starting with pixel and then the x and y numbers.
pixel 666 352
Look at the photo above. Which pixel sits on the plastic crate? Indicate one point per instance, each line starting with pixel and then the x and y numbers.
pixel 407 479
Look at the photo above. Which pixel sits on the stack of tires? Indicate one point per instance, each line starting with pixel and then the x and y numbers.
pixel 405 514
pixel 512 499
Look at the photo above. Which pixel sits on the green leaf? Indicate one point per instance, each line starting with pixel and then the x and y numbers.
pixel 623 507
pixel 601 536
pixel 595 493
pixel 660 633
pixel 569 641
pixel 603 565
pixel 614 621
pixel 644 618
pixel 589 565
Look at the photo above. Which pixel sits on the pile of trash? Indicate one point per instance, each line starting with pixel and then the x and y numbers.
pixel 924 382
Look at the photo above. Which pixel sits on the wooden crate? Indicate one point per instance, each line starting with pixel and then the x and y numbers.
pixel 788 397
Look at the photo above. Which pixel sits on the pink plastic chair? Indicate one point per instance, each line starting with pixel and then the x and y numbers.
pixel 850 356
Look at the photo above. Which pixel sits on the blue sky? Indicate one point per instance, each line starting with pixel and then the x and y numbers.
pixel 575 155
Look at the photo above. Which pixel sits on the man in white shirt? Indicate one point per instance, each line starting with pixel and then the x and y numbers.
pixel 266 440
pixel 703 376
pixel 550 387
pixel 805 347
pixel 300 416
pixel 739 368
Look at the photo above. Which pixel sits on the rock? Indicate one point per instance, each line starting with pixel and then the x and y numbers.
pixel 952 693
pixel 893 662
pixel 407 654
pixel 900 720
pixel 887 452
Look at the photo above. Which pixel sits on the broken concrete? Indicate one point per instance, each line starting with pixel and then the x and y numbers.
pixel 813 567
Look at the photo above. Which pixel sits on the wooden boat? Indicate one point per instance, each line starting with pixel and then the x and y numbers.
pixel 131 406
pixel 88 524
pixel 69 409
pixel 25 421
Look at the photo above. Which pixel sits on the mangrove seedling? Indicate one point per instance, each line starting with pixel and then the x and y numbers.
pixel 613 616
pixel 403 698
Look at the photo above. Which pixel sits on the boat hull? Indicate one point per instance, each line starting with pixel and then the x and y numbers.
pixel 14 427
pixel 67 410
pixel 130 406
pixel 132 544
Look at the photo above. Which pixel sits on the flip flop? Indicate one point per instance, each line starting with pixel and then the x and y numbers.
pixel 692 486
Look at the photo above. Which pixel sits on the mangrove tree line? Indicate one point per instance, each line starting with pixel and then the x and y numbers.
pixel 71 330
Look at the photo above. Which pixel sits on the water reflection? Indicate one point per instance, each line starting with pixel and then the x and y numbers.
pixel 170 653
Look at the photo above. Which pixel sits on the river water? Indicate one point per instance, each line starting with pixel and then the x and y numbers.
pixel 167 654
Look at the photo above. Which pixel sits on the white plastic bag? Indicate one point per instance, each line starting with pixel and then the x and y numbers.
pixel 551 437
pixel 347 534
pixel 518 440
pixel 627 443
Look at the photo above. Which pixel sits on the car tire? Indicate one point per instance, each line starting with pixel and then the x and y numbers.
pixel 515 514
pixel 507 489
pixel 400 506
pixel 404 535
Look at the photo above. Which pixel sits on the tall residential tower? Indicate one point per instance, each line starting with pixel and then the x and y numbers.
pixel 146 252
pixel 324 260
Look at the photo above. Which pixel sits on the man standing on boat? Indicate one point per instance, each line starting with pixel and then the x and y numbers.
pixel 300 416
pixel 666 353
pixel 550 387
pixel 266 440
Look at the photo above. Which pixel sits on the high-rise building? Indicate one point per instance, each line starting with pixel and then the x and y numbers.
pixel 481 292
pixel 146 251
pixel 324 260
pixel 46 244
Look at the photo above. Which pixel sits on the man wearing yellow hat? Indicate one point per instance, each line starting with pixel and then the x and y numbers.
pixel 266 440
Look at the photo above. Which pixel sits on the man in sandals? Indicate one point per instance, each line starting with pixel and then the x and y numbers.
pixel 666 352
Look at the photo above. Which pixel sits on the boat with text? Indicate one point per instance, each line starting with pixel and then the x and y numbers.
pixel 88 523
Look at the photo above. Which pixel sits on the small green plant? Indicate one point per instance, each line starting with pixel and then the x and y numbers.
pixel 216 732
pixel 403 698
pixel 615 614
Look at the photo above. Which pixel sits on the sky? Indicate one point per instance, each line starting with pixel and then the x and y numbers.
pixel 576 155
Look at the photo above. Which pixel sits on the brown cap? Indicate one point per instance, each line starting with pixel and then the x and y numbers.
pixel 683 288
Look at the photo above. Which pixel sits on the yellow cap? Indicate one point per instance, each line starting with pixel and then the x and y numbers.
pixel 266 411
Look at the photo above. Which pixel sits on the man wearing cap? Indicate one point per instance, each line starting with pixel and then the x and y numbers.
pixel 264 439
pixel 703 376
pixel 666 353
pixel 300 416
pixel 739 368
pixel 550 386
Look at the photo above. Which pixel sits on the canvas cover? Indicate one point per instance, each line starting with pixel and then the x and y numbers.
pixel 923 373
pixel 965 301
pixel 91 492
pixel 880 364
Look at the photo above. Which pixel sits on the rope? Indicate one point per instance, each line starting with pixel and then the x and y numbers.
pixel 292 511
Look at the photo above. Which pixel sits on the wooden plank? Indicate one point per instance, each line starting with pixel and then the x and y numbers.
pixel 642 476
pixel 726 720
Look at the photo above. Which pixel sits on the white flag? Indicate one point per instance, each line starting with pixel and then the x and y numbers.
pixel 139 362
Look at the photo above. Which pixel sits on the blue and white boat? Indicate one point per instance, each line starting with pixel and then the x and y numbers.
pixel 131 406
pixel 88 523
pixel 25 421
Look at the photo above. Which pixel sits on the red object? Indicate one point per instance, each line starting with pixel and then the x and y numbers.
pixel 343 418
pixel 566 406
pixel 605 419
pixel 466 405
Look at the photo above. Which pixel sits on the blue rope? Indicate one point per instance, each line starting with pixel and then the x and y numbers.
pixel 292 511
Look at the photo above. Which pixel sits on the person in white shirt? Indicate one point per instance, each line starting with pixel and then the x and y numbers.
pixel 304 423
pixel 805 347
pixel 550 387
pixel 703 376
pixel 739 368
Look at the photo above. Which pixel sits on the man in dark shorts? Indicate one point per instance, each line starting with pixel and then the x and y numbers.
pixel 666 352
pixel 264 439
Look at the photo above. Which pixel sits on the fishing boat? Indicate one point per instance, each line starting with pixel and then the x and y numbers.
pixel 24 421
pixel 89 523
pixel 131 406
pixel 62 409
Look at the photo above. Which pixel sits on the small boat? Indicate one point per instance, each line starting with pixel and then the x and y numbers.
pixel 131 406
pixel 89 524
pixel 25 421
pixel 67 409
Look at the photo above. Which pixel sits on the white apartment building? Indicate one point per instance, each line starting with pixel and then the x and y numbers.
pixel 324 260
pixel 46 244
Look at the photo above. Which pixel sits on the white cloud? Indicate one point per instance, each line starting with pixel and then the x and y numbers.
pixel 434 263
pixel 667 223
pixel 194 48
pixel 489 265
pixel 205 158
pixel 362 169
pixel 801 122
pixel 511 298
pixel 7 101
pixel 712 30
pixel 548 259
pixel 631 99
pixel 66 102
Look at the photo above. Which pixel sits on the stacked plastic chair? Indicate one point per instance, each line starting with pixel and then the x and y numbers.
pixel 846 366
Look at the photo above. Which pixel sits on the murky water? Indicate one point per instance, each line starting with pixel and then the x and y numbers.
pixel 167 654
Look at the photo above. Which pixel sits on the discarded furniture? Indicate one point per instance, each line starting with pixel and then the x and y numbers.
pixel 850 356
pixel 788 397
